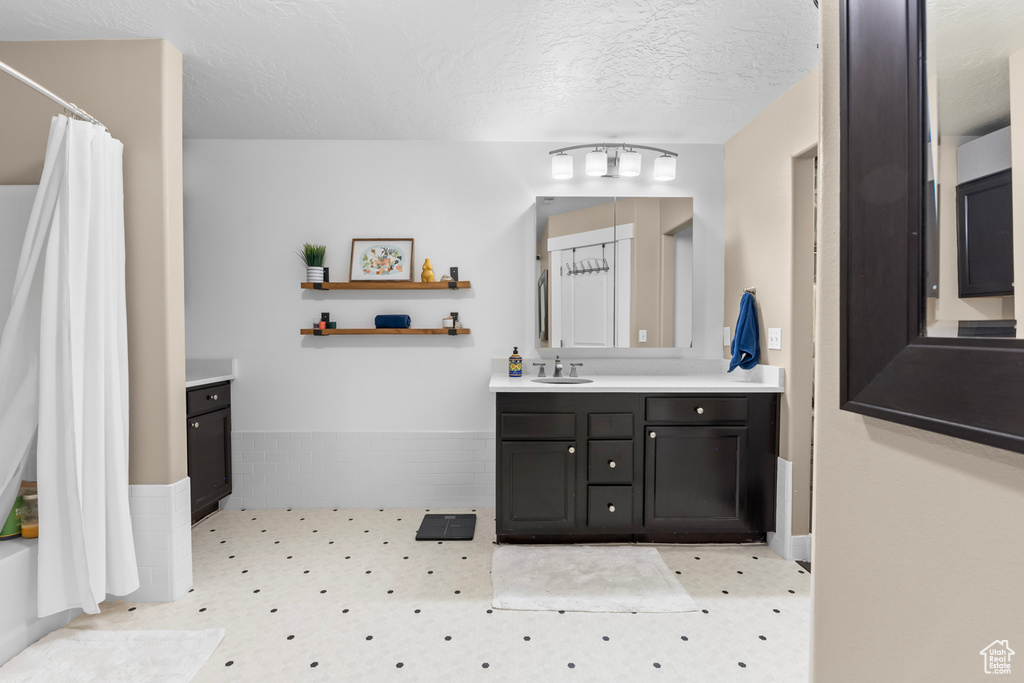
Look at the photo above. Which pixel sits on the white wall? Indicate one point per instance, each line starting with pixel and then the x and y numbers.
pixel 249 204
pixel 15 208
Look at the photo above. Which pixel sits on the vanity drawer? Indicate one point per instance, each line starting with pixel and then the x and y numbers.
pixel 696 409
pixel 610 425
pixel 207 398
pixel 610 462
pixel 538 425
pixel 610 506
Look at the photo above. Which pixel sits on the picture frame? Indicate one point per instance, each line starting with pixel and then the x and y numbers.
pixel 382 259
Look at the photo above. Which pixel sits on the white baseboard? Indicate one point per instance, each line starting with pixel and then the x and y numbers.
pixel 782 541
pixel 162 527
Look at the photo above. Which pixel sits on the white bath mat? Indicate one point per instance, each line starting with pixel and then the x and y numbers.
pixel 585 579
pixel 71 655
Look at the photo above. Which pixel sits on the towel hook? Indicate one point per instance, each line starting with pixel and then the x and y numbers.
pixel 752 290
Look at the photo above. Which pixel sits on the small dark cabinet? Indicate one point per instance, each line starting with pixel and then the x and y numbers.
pixel 985 236
pixel 209 447
pixel 635 468
pixel 695 478
pixel 538 490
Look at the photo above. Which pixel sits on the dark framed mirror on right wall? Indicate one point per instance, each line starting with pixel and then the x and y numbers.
pixel 900 360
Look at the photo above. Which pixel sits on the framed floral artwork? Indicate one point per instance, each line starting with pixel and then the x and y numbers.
pixel 381 260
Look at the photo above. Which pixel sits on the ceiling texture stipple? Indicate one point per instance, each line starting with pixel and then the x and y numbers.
pixel 528 70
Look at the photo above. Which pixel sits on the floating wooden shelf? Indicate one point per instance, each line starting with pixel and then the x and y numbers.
pixel 371 330
pixel 461 284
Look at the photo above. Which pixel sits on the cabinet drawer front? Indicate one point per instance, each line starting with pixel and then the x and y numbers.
pixel 610 426
pixel 609 506
pixel 697 409
pixel 538 426
pixel 208 398
pixel 610 462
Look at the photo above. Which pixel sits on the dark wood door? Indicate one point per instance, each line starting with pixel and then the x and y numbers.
pixel 209 460
pixel 538 486
pixel 695 478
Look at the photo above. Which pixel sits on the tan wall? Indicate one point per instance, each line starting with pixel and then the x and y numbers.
pixel 1017 150
pixel 134 88
pixel 917 559
pixel 769 245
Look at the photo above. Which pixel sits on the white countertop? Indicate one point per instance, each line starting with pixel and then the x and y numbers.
pixel 645 376
pixel 199 372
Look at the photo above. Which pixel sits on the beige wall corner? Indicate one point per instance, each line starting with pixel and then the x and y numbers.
pixel 134 88
pixel 769 244
pixel 1017 152
pixel 914 568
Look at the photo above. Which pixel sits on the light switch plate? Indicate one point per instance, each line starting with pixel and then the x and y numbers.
pixel 643 336
pixel 726 336
pixel 775 338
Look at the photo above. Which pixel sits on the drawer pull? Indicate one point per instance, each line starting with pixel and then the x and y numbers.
pixel 213 397
pixel 195 425
pixel 700 411
pixel 611 508
pixel 572 449
pixel 611 463
pixel 653 435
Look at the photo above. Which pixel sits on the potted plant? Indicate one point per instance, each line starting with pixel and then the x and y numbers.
pixel 313 256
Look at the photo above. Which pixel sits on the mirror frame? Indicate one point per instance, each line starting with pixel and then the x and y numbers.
pixel 971 389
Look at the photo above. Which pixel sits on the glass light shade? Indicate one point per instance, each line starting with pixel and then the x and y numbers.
pixel 665 168
pixel 561 166
pixel 597 163
pixel 629 164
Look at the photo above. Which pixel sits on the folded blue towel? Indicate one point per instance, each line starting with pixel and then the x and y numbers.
pixel 746 349
pixel 392 321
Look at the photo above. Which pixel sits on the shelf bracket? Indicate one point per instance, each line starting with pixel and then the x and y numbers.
pixel 453 284
pixel 318 285
pixel 454 272
pixel 455 322
pixel 317 332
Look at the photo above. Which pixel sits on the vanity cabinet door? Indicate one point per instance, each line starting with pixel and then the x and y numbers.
pixel 695 479
pixel 538 486
pixel 209 460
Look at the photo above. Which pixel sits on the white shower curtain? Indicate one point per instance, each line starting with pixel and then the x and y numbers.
pixel 64 373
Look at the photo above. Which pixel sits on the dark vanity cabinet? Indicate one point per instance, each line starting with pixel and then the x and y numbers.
pixel 209 446
pixel 634 467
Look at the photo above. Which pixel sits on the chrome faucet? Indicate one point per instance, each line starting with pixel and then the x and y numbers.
pixel 572 369
pixel 542 366
pixel 558 367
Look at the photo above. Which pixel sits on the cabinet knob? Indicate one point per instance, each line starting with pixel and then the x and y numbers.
pixel 700 411
pixel 611 463
pixel 211 397
pixel 572 449
pixel 611 508
pixel 195 425
pixel 653 435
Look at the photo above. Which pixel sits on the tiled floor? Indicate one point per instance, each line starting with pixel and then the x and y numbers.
pixel 349 595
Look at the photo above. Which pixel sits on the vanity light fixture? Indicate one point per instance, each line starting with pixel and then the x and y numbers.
pixel 597 163
pixel 613 160
pixel 561 166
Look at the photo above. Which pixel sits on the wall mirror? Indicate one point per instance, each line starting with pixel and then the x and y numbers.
pixel 614 272
pixel 970 238
pixel 929 239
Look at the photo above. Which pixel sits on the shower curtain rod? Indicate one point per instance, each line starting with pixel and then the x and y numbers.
pixel 80 113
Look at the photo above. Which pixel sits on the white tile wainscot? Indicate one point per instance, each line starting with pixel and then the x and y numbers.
pixel 361 469
pixel 162 527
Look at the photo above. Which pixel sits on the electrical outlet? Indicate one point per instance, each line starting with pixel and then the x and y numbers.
pixel 726 336
pixel 775 338
pixel 643 336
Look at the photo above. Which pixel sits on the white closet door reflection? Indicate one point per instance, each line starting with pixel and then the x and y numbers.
pixel 588 296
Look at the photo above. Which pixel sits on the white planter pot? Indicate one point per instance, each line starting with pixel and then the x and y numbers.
pixel 314 274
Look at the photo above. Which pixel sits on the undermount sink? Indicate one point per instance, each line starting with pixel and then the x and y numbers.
pixel 562 380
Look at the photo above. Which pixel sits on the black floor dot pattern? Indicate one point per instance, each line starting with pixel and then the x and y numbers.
pixel 282 610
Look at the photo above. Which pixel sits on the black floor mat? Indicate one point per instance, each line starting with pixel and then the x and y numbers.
pixel 446 528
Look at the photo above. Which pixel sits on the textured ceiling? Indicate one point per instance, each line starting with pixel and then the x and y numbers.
pixel 643 70
pixel 969 43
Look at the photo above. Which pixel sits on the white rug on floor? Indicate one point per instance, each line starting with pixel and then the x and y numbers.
pixel 585 579
pixel 71 655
